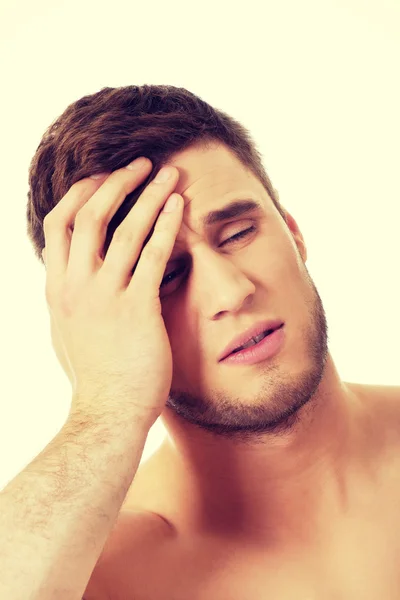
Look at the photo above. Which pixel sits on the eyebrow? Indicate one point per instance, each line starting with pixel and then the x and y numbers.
pixel 230 211
pixel 234 209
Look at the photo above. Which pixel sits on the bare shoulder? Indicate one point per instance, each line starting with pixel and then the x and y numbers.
pixel 381 408
pixel 385 397
pixel 387 400
pixel 134 532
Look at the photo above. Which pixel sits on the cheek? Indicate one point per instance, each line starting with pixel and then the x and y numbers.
pixel 176 330
pixel 265 259
pixel 281 254
pixel 184 360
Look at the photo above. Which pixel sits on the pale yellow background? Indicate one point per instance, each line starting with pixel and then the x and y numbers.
pixel 316 82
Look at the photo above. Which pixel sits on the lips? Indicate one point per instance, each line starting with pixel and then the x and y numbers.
pixel 253 341
pixel 253 331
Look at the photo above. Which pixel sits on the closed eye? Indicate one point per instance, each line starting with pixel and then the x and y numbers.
pixel 237 236
pixel 231 240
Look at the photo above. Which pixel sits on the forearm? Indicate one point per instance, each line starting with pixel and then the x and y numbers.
pixel 56 515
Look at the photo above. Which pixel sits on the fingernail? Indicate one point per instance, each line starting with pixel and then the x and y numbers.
pixel 137 164
pixel 171 204
pixel 163 175
pixel 98 176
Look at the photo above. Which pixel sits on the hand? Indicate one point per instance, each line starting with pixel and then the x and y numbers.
pixel 106 324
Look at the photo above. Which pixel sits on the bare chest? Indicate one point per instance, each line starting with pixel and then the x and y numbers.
pixel 348 575
pixel 362 562
pixel 358 559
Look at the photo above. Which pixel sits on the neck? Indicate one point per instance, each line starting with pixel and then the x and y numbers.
pixel 285 488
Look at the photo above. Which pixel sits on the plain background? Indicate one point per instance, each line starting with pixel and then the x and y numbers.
pixel 317 84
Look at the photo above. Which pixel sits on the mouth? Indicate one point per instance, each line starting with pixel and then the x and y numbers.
pixel 253 341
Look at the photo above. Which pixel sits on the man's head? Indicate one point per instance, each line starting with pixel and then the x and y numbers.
pixel 215 288
pixel 220 289
pixel 105 131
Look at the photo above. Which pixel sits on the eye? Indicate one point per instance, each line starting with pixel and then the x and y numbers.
pixel 237 236
pixel 231 240
pixel 168 278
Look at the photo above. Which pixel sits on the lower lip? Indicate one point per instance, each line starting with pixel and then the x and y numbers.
pixel 268 347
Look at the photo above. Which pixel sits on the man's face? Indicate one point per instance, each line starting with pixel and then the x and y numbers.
pixel 221 289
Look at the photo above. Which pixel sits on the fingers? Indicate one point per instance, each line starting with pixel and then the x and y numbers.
pixel 76 228
pixel 155 255
pixel 59 223
pixel 126 245
pixel 92 220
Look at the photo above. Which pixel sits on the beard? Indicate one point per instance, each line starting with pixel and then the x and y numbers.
pixel 281 403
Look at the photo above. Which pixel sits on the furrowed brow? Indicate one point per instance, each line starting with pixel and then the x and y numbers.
pixel 230 211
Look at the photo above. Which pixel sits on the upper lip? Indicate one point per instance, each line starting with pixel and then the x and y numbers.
pixel 244 337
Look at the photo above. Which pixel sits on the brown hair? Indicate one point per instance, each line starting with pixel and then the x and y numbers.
pixel 107 130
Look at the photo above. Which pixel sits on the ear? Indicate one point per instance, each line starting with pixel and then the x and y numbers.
pixel 297 235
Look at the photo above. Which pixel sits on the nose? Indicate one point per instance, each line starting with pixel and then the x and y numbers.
pixel 222 285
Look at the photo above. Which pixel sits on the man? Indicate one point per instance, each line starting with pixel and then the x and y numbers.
pixel 276 478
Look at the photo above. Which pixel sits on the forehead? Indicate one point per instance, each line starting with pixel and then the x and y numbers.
pixel 211 177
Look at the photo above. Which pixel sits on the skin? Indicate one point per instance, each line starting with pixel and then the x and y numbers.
pixel 264 452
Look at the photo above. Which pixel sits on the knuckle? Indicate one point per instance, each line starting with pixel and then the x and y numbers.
pixel 48 222
pixel 52 294
pixel 49 295
pixel 124 235
pixel 153 253
pixel 69 297
pixel 151 194
pixel 88 216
